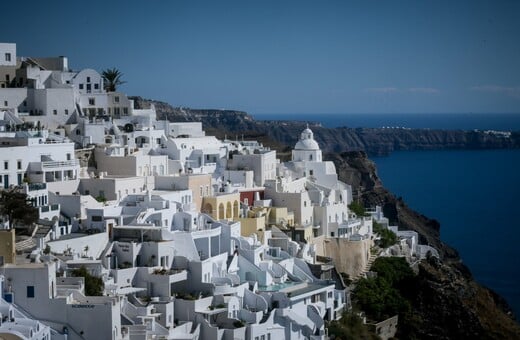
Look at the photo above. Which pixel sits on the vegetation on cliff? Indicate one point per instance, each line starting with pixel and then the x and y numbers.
pixel 383 296
pixel 350 326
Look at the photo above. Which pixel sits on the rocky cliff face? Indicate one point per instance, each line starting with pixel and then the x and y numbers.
pixel 372 141
pixel 447 303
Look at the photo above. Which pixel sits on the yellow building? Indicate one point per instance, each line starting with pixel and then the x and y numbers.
pixel 223 206
pixel 199 184
pixel 280 215
pixel 7 246
pixel 254 222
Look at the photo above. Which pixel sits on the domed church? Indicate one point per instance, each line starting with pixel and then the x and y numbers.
pixel 306 149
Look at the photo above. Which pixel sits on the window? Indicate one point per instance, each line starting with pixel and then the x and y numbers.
pixel 19 165
pixel 88 79
pixel 30 291
pixel 81 86
pixel 8 57
pixel 55 112
pixel 68 157
pixel 96 86
pixel 311 172
pixel 97 218
pixel 116 99
pixel 6 103
pixel 92 101
pixel 125 110
pixel 66 111
pixel 6 165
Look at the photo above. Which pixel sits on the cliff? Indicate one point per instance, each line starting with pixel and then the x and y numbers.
pixel 447 303
pixel 371 140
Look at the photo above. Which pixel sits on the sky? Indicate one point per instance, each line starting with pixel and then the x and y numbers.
pixel 288 56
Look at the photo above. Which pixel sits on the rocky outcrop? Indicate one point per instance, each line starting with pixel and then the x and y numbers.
pixel 447 303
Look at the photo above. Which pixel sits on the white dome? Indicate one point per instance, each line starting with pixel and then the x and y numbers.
pixel 307 141
pixel 307 131
pixel 306 144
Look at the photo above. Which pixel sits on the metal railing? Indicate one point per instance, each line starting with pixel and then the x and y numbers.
pixel 59 164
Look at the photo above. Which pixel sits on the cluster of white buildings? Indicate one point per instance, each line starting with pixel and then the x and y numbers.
pixel 192 237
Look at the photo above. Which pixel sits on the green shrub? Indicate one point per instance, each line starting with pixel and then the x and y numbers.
pixel 388 238
pixel 93 284
pixel 350 326
pixel 357 208
pixel 384 296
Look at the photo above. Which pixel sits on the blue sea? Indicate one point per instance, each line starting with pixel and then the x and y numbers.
pixel 473 194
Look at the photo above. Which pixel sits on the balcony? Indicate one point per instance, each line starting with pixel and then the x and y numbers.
pixel 59 164
pixel 36 186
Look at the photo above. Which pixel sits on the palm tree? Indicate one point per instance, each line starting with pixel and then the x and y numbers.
pixel 112 79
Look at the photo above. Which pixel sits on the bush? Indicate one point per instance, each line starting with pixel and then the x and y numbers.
pixel 388 238
pixel 357 208
pixel 350 326
pixel 385 295
pixel 93 284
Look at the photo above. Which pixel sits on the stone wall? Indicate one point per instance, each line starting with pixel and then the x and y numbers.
pixel 349 257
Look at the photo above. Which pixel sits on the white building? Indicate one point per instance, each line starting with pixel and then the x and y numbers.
pixel 37 291
pixel 33 155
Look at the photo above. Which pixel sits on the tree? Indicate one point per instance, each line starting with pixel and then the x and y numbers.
pixel 18 208
pixel 112 79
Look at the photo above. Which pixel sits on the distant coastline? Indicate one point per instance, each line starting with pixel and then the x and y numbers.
pixel 444 121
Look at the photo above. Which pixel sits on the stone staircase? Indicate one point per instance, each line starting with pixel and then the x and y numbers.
pixel 369 263
pixel 24 245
